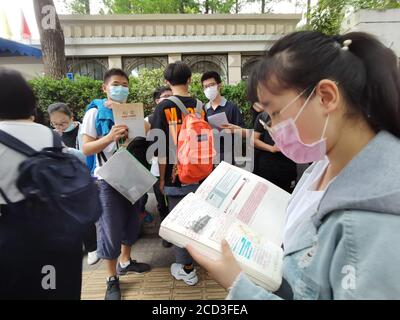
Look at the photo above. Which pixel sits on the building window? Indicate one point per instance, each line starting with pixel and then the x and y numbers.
pixel 91 67
pixel 133 65
pixel 204 63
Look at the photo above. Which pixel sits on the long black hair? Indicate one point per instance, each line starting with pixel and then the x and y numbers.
pixel 367 73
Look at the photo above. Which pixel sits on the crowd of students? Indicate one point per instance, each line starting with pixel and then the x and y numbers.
pixel 330 101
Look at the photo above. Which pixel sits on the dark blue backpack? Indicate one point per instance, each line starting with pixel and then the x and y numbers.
pixel 56 181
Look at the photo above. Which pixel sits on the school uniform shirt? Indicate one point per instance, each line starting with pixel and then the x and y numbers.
pixel 34 135
pixel 168 118
pixel 88 128
pixel 233 115
pixel 232 112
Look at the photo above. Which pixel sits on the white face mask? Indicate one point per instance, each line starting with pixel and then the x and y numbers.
pixel 211 92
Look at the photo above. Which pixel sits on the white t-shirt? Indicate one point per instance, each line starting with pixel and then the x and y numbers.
pixel 305 202
pixel 33 134
pixel 88 128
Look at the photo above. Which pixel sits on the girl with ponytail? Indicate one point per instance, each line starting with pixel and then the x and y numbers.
pixel 334 101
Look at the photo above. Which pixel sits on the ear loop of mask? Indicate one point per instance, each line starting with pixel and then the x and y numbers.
pixel 304 105
pixel 302 108
pixel 295 99
pixel 270 129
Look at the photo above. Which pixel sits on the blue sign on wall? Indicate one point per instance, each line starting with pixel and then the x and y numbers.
pixel 70 76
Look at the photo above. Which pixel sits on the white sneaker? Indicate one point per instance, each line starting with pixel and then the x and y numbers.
pixel 179 274
pixel 92 258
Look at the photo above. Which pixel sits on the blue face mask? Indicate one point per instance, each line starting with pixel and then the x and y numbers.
pixel 70 128
pixel 119 93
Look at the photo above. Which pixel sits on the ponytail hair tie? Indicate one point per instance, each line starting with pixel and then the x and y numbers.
pixel 346 44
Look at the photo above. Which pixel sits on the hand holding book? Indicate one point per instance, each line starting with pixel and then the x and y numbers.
pixel 224 270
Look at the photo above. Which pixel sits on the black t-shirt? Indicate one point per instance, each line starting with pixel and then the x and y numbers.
pixel 70 138
pixel 168 118
pixel 277 159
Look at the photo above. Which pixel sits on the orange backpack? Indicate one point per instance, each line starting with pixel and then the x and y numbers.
pixel 195 149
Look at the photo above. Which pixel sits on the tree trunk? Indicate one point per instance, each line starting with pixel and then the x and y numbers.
pixel 51 39
pixel 308 12
pixel 237 6
pixel 262 6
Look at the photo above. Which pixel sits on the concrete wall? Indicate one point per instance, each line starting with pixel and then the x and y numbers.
pixel 385 24
pixel 29 67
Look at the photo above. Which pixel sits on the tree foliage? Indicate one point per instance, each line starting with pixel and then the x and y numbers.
pixel 79 6
pixel 78 93
pixel 327 15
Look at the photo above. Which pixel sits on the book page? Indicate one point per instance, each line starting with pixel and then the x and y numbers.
pixel 203 226
pixel 260 258
pixel 248 198
pixel 131 115
pixel 198 221
pixel 217 120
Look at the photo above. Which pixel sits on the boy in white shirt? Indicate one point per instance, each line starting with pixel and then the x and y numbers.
pixel 118 226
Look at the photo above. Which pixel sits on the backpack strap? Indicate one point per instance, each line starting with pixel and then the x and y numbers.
pixel 179 104
pixel 16 144
pixel 57 141
pixel 199 107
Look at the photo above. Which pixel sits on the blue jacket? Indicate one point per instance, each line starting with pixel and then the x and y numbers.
pixel 349 248
pixel 105 117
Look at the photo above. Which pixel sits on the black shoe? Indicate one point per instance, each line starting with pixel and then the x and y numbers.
pixel 134 267
pixel 166 244
pixel 113 291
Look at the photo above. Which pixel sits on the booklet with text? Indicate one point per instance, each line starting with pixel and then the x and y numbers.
pixel 246 210
pixel 131 115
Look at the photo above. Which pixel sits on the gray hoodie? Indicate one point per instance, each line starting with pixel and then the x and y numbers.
pixel 350 248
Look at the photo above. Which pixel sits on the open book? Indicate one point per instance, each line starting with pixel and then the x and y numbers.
pixel 246 210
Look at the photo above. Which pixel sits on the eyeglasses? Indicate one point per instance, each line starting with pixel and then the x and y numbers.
pixel 268 125
pixel 60 125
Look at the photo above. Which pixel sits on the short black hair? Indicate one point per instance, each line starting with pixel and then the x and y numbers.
pixel 177 73
pixel 159 91
pixel 17 98
pixel 60 107
pixel 114 72
pixel 211 75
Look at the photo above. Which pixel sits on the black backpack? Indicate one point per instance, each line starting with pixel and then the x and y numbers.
pixel 56 181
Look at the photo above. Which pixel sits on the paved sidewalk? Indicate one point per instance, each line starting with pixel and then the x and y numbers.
pixel 157 284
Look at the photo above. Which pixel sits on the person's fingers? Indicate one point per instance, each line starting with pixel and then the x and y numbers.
pixel 121 126
pixel 201 259
pixel 226 250
pixel 121 131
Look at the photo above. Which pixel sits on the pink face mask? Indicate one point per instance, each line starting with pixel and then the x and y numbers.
pixel 287 138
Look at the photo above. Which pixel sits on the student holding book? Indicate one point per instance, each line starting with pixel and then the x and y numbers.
pixel 334 101
pixel 118 226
